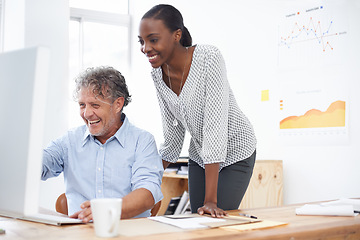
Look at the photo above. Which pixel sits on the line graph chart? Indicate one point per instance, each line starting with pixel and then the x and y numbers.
pixel 313 44
pixel 311 36
pixel 309 32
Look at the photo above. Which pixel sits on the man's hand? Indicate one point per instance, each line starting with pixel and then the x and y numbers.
pixel 212 209
pixel 85 214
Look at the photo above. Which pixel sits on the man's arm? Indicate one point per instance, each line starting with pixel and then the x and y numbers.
pixel 53 160
pixel 133 204
pixel 136 202
pixel 145 182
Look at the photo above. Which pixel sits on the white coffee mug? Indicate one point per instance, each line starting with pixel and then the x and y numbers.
pixel 106 216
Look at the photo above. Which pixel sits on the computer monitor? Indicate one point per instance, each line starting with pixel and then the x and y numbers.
pixel 23 82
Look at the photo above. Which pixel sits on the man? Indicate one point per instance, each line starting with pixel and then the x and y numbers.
pixel 108 157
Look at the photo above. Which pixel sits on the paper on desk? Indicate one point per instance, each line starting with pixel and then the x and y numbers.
pixel 255 225
pixel 130 227
pixel 188 222
pixel 318 209
pixel 344 201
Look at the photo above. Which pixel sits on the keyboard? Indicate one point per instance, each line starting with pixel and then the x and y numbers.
pixel 52 219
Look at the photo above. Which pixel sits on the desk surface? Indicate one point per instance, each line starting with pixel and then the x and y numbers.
pixel 298 227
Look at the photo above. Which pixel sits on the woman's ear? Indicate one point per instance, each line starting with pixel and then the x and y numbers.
pixel 178 34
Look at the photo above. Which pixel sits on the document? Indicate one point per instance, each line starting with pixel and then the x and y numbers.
pixel 344 201
pixel 188 222
pixel 341 207
pixel 195 221
pixel 255 225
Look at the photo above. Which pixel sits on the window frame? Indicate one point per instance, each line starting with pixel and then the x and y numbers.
pixel 2 17
pixel 85 15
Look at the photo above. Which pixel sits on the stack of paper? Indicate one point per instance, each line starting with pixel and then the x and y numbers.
pixel 341 207
pixel 195 221
pixel 185 222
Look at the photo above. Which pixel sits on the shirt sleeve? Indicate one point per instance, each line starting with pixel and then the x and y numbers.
pixel 53 159
pixel 147 170
pixel 215 126
pixel 174 136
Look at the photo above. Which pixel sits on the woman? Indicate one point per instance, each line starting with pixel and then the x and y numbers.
pixel 194 95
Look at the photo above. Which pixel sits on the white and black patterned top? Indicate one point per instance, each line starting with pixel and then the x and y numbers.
pixel 207 109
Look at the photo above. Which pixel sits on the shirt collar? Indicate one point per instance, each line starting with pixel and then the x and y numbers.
pixel 157 74
pixel 120 134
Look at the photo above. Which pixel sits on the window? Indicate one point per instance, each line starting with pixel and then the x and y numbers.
pixel 114 6
pixel 97 38
pixel 1 25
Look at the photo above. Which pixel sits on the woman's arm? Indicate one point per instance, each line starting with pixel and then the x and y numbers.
pixel 211 183
pixel 165 164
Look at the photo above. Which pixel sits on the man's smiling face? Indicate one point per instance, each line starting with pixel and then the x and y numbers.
pixel 99 114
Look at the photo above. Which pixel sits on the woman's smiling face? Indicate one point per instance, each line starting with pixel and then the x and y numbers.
pixel 156 41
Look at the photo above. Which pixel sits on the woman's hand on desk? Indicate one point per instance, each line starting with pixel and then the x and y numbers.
pixel 85 214
pixel 212 209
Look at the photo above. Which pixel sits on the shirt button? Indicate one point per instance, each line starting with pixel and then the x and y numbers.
pixel 99 191
pixel 101 148
pixel 99 169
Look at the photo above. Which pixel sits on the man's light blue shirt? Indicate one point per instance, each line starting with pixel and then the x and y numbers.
pixel 128 160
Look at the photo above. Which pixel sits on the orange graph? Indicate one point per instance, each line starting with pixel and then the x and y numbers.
pixel 334 116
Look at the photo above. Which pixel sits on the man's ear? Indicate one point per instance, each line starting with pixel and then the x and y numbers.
pixel 119 103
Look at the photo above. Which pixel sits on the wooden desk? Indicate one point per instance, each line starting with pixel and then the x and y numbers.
pixel 299 227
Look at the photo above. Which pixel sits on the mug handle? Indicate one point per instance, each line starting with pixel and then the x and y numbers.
pixel 113 219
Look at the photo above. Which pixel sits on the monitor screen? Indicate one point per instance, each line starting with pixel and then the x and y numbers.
pixel 23 80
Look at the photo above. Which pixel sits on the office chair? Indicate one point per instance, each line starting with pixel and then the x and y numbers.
pixel 155 209
pixel 61 206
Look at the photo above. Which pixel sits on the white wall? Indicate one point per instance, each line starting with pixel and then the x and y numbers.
pixel 31 23
pixel 247 34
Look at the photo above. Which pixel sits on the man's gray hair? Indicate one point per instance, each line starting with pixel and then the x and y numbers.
pixel 105 81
